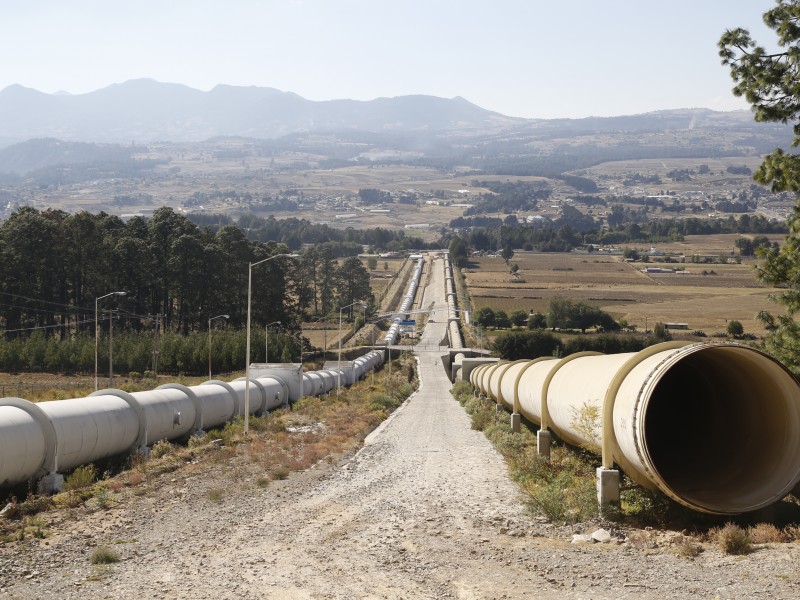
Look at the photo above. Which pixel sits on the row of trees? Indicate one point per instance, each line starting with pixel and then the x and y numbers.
pixel 515 345
pixel 562 313
pixel 295 233
pixel 144 351
pixel 54 266
pixel 573 230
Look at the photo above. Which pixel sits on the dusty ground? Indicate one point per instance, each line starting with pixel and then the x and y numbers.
pixel 424 510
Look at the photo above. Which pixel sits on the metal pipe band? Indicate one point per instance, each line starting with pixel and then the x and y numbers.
pixel 28 442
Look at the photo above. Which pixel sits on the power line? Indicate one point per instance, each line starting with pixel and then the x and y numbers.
pixel 47 326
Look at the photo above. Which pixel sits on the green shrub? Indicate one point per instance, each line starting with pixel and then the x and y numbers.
pixel 103 555
pixel 382 402
pixel 102 497
pixel 462 391
pixel 566 497
pixel 195 440
pixel 642 503
pixel 472 404
pixel 230 431
pixel 161 448
pixel 35 504
pixel 484 413
pixel 401 392
pixel 80 478
pixel 551 499
pixel 509 444
pixel 215 495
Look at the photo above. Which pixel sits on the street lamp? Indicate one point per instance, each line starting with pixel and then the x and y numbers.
pixel 209 339
pixel 339 361
pixel 247 353
pixel 266 339
pixel 97 329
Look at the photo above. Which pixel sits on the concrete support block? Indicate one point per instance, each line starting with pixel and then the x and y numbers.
pixel 543 441
pixel 607 487
pixel 499 407
pixel 516 422
pixel 51 484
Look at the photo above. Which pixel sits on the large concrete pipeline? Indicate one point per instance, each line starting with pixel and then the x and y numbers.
pixel 405 306
pixel 453 320
pixel 45 438
pixel 716 427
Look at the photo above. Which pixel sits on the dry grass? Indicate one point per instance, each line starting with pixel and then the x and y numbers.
pixel 319 338
pixel 731 539
pixel 766 533
pixel 705 302
pixel 42 387
pixel 688 548
pixel 285 441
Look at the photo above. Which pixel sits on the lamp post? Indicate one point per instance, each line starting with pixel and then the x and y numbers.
pixel 339 361
pixel 97 329
pixel 266 339
pixel 247 352
pixel 300 344
pixel 209 339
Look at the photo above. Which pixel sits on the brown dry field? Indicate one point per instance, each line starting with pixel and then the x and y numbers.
pixel 706 245
pixel 380 278
pixel 717 179
pixel 318 336
pixel 705 302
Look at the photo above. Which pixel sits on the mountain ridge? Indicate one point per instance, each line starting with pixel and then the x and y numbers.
pixel 148 110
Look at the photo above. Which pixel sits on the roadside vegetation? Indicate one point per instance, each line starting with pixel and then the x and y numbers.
pixel 563 489
pixel 280 443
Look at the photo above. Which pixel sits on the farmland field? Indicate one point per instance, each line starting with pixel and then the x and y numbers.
pixel 380 277
pixel 320 333
pixel 706 297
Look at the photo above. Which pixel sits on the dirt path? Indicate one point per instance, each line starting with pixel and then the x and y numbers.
pixel 424 510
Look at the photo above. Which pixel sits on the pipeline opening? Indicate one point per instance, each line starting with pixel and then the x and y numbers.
pixel 722 430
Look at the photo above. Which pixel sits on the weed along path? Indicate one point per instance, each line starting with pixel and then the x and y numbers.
pixel 424 509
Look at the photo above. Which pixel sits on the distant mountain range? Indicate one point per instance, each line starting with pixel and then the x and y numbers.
pixel 108 127
pixel 144 110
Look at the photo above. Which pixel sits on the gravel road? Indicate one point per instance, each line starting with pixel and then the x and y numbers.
pixel 424 510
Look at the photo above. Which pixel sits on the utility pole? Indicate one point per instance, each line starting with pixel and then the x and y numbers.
pixel 110 348
pixel 155 347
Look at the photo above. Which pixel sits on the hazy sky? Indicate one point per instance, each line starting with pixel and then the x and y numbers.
pixel 527 58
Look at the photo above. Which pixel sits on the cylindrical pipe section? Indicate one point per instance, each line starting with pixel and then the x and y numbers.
pixel 714 426
pixel 274 391
pixel 169 414
pixel 62 434
pixel 718 427
pixel 22 445
pixel 88 429
pixel 217 404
